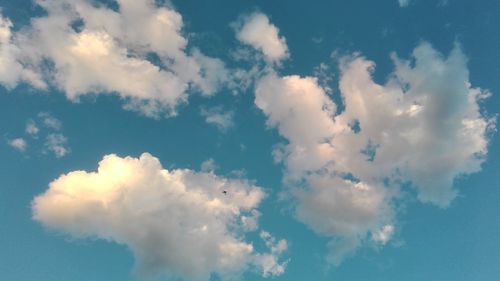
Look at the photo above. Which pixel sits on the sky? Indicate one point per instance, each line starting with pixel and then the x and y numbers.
pixel 249 140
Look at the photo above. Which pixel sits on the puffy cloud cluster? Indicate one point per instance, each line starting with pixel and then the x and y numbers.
pixel 257 31
pixel 136 51
pixel 423 127
pixel 12 71
pixel 177 222
pixel 47 126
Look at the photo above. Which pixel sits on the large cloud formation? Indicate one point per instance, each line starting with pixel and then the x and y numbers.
pixel 136 51
pixel 422 128
pixel 177 222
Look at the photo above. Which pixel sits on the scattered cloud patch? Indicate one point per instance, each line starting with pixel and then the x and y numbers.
pixel 242 79
pixel 208 166
pixel 424 127
pixel 257 31
pixel 177 222
pixel 325 77
pixel 216 116
pixel 250 222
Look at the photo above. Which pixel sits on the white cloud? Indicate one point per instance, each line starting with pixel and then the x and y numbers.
pixel 424 126
pixel 57 144
pixel 257 31
pixel 176 222
pixel 241 80
pixel 216 116
pixel 425 123
pixel 251 222
pixel 107 54
pixel 18 144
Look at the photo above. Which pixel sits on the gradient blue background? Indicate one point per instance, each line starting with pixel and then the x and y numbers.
pixel 461 243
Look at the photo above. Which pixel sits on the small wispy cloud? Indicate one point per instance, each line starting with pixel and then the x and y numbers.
pixel 57 144
pixel 345 169
pixel 50 121
pixel 383 235
pixel 31 128
pixel 218 117
pixel 18 144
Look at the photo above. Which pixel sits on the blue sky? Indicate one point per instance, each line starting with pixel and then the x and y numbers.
pixel 355 140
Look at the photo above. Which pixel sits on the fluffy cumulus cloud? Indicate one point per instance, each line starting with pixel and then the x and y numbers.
pixel 49 121
pixel 257 31
pixel 423 128
pixel 177 222
pixel 137 51
pixel 57 144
